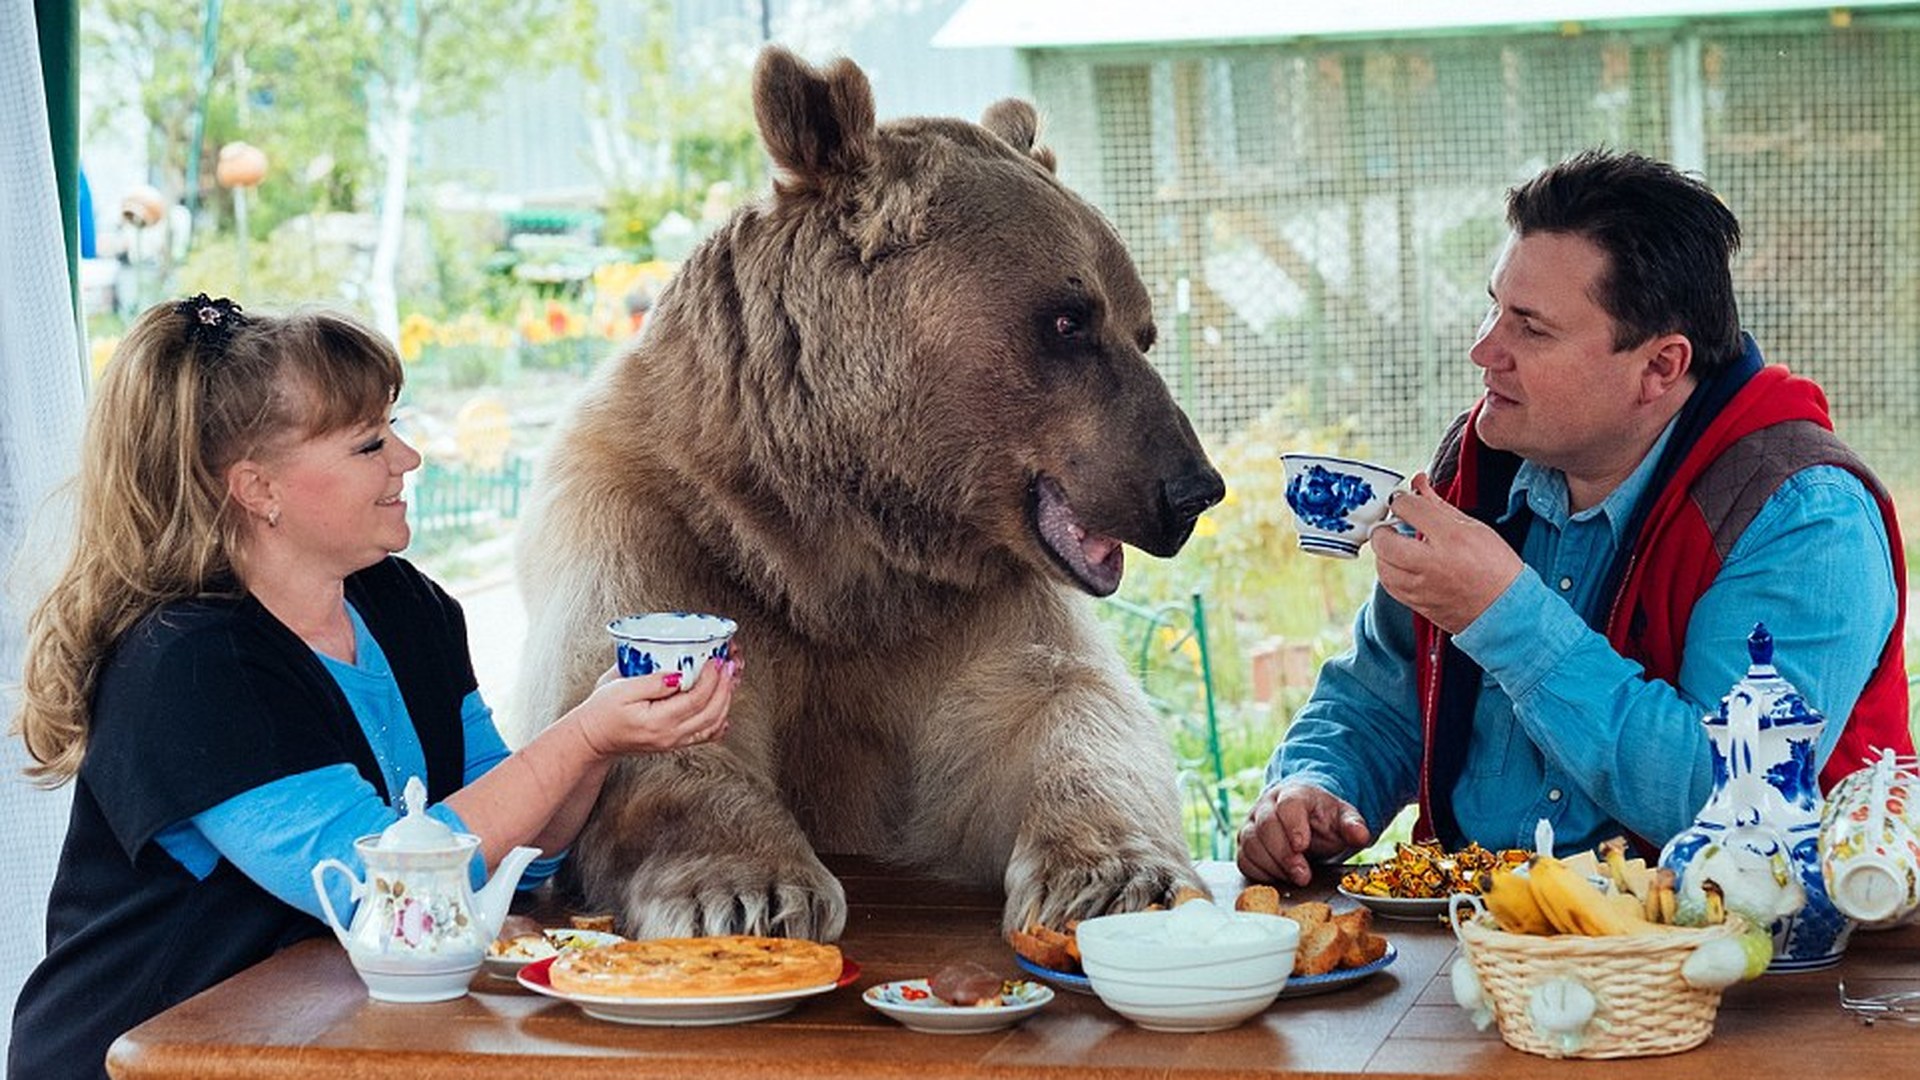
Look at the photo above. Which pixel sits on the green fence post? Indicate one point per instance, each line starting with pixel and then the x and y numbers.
pixel 1222 842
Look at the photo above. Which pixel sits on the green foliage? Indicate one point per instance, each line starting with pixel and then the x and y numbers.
pixel 1256 585
pixel 697 111
pixel 297 80
pixel 1244 556
pixel 462 245
pixel 283 78
pixel 281 271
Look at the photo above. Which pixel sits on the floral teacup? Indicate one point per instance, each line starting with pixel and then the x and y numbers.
pixel 1869 850
pixel 1336 500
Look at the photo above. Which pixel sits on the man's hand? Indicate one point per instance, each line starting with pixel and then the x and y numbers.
pixel 1452 570
pixel 1291 822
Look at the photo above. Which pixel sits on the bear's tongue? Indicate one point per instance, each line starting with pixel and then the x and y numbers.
pixel 1097 561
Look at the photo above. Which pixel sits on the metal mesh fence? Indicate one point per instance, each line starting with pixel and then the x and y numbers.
pixel 1317 220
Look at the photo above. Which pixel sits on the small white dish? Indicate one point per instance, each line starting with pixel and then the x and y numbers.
pixel 911 1002
pixel 1414 909
pixel 561 937
pixel 685 1011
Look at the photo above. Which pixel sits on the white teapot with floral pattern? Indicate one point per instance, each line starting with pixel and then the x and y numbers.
pixel 419 930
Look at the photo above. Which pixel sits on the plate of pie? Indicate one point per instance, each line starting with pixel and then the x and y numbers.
pixel 691 981
pixel 913 1003
pixel 1307 985
pixel 1065 980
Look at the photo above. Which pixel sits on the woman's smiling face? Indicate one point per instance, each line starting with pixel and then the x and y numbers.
pixel 339 495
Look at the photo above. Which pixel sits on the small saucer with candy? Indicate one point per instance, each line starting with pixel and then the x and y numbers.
pixel 962 999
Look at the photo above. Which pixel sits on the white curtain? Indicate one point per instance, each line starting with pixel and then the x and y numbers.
pixel 42 395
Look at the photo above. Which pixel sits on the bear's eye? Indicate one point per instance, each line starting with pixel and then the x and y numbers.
pixel 1067 326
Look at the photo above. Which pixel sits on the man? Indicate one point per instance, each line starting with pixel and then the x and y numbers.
pixel 1575 583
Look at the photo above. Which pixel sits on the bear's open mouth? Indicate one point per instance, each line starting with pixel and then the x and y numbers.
pixel 1095 561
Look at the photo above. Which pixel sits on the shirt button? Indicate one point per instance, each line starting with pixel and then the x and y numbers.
pixel 1566 583
pixel 1554 795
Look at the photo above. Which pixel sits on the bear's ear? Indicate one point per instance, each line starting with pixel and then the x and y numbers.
pixel 816 124
pixel 1016 121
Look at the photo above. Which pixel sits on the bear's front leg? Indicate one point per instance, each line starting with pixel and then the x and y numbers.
pixel 1101 831
pixel 692 843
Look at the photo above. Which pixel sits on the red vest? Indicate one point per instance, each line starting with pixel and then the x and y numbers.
pixel 1679 550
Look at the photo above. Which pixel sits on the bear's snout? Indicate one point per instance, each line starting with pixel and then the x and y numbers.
pixel 1188 495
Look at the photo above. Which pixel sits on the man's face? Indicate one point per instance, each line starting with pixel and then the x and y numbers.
pixel 1558 394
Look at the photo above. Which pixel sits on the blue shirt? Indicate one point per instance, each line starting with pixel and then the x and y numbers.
pixel 1566 728
pixel 276 832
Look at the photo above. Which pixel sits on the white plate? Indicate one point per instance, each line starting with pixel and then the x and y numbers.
pixel 1393 907
pixel 911 1002
pixel 1065 980
pixel 1308 985
pixel 684 1012
pixel 563 937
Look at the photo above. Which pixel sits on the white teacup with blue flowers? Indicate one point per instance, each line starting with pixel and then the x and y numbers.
pixel 1336 500
pixel 681 641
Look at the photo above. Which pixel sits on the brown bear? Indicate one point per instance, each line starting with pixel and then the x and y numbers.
pixel 897 420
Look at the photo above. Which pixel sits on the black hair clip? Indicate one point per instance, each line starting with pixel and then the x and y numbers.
pixel 211 320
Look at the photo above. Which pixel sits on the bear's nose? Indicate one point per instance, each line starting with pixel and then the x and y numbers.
pixel 1189 495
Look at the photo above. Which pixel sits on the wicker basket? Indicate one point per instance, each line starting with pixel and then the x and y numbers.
pixel 1641 1005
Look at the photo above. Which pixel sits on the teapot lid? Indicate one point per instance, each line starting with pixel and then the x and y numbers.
pixel 415 831
pixel 1779 701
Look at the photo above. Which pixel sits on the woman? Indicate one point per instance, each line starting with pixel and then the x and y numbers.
pixel 239 676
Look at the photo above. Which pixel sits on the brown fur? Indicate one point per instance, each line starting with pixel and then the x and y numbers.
pixel 834 430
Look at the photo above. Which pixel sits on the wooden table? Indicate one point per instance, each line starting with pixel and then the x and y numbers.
pixel 304 1013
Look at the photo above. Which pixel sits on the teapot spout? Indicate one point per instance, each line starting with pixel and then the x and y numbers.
pixel 492 899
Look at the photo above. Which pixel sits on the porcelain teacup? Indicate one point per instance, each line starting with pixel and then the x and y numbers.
pixel 1336 501
pixel 680 641
pixel 1869 847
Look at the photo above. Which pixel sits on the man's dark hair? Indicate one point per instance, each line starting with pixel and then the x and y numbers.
pixel 1668 240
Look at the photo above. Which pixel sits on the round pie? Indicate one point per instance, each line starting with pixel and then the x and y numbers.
pixel 696 967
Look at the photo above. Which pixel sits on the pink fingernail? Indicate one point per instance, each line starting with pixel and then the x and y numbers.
pixel 671 680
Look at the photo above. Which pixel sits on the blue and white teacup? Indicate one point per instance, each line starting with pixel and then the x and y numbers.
pixel 680 641
pixel 1336 500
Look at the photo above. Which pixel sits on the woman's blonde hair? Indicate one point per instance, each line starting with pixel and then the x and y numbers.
pixel 185 396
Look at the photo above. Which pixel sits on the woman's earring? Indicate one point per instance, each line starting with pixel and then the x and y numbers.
pixel 273 518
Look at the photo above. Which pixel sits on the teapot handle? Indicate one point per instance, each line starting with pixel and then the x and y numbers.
pixel 1747 790
pixel 326 902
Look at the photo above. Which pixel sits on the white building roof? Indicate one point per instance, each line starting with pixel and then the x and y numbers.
pixel 1063 23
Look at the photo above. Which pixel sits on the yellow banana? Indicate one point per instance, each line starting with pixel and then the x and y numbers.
pixel 1570 902
pixel 1661 904
pixel 1614 851
pixel 1716 902
pixel 1509 895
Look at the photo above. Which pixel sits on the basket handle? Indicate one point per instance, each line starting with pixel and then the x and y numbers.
pixel 1457 901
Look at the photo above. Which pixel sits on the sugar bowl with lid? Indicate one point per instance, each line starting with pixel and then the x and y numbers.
pixel 419 930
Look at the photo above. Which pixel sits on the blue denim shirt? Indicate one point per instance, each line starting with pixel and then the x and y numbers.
pixel 1566 728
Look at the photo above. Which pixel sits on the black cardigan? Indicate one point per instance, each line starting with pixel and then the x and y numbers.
pixel 203 700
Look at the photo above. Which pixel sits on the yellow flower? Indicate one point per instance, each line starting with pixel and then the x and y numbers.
pixel 417 331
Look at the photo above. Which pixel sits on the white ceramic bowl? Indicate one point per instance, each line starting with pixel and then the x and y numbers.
pixel 680 641
pixel 1148 967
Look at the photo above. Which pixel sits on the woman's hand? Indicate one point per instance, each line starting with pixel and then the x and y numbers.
pixel 647 714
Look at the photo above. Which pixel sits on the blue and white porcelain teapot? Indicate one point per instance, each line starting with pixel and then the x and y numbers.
pixel 1758 836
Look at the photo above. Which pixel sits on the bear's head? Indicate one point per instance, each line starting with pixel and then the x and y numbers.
pixel 943 347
